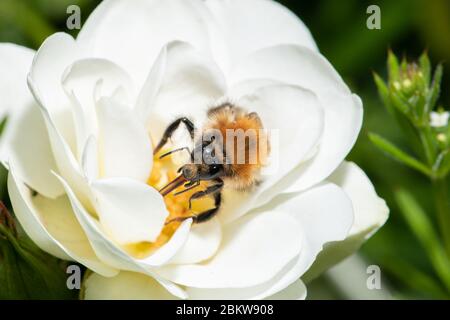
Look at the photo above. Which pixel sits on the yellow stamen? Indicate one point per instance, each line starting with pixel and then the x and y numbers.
pixel 164 171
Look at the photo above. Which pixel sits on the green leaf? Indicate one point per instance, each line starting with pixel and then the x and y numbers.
pixel 414 278
pixel 427 146
pixel 422 228
pixel 383 91
pixel 444 165
pixel 3 125
pixel 31 22
pixel 435 91
pixel 399 155
pixel 399 104
pixel 26 272
pixel 393 67
pixel 425 67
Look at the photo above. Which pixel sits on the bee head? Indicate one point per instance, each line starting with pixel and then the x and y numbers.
pixel 195 172
pixel 190 172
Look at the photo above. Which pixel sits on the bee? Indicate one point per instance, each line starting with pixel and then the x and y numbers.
pixel 229 153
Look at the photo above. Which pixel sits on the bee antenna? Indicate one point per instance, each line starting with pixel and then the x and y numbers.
pixel 175 183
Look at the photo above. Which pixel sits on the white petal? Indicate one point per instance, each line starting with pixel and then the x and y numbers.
pixel 296 291
pixel 321 222
pixel 136 286
pixel 107 250
pixel 370 211
pixel 65 160
pixel 15 62
pixel 343 111
pixel 325 213
pixel 132 33
pixel 343 121
pixel 250 25
pixel 439 119
pixel 291 64
pixel 51 224
pixel 165 254
pixel 258 292
pixel 124 146
pixel 130 211
pixel 298 120
pixel 89 160
pixel 124 286
pixel 29 149
pixel 202 243
pixel 295 128
pixel 254 249
pixel 86 81
pixel 190 82
pixel 51 60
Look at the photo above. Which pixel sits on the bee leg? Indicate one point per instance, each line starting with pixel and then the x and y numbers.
pixel 205 215
pixel 189 186
pixel 174 151
pixel 214 189
pixel 208 214
pixel 171 129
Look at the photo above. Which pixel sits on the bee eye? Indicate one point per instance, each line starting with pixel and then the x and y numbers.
pixel 215 168
pixel 188 172
pixel 209 156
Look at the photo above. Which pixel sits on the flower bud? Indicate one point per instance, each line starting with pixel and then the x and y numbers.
pixel 412 90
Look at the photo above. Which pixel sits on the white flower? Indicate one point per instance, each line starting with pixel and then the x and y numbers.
pixel 439 119
pixel 83 141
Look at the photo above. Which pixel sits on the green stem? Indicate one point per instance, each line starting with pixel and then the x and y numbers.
pixel 427 146
pixel 442 200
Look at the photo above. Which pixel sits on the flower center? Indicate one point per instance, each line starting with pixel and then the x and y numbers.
pixel 164 171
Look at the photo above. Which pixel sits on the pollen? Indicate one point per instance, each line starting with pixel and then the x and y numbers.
pixel 164 171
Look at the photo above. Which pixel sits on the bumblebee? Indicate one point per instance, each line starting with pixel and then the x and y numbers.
pixel 229 152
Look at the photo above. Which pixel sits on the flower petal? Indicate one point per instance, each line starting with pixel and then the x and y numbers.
pixel 132 33
pixel 343 111
pixel 254 249
pixel 65 160
pixel 246 29
pixel 124 146
pixel 188 82
pixel 296 291
pixel 296 125
pixel 15 61
pixel 89 160
pixel 107 250
pixel 130 211
pixel 85 82
pixel 136 286
pixel 202 243
pixel 28 149
pixel 165 254
pixel 51 60
pixel 370 212
pixel 257 292
pixel 319 221
pixel 51 224
pixel 124 286
pixel 300 131
pixel 323 222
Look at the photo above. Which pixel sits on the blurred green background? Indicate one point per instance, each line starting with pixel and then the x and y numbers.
pixel 339 27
